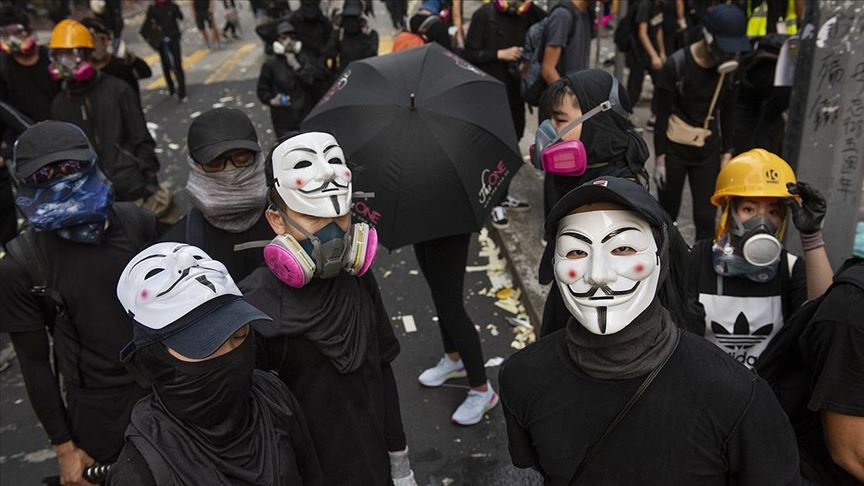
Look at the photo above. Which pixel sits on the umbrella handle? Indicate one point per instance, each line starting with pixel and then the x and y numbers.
pixel 412 102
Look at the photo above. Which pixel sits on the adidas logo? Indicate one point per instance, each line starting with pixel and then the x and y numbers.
pixel 741 338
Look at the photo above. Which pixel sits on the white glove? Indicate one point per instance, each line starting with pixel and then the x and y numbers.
pixel 292 61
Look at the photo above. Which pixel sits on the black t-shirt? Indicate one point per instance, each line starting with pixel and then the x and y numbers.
pixel 492 30
pixel 650 12
pixel 832 345
pixel 705 420
pixel 166 17
pixel 742 316
pixel 86 276
pixel 345 412
pixel 29 89
pixel 241 253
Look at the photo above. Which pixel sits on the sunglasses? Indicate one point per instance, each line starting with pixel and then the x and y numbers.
pixel 240 159
pixel 58 170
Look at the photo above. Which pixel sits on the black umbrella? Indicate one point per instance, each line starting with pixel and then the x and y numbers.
pixel 429 134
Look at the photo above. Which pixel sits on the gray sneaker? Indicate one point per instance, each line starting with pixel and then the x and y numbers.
pixel 446 369
pixel 476 404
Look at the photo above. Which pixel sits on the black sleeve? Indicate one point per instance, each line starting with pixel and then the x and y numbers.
pixel 394 431
pixel 727 114
pixel 178 13
pixel 796 293
pixel 388 345
pixel 477 31
pixel 304 448
pixel 665 93
pixel 138 137
pixel 644 12
pixel 762 448
pixel 266 91
pixel 141 69
pixel 33 349
pixel 130 468
pixel 19 309
pixel 833 346
pixel 522 453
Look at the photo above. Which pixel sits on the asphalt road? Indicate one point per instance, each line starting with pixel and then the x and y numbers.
pixel 441 453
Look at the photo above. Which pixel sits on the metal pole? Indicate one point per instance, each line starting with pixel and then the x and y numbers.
pixel 598 14
pixel 824 138
pixel 619 56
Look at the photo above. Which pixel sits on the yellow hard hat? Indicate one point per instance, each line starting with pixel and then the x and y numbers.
pixel 755 173
pixel 70 34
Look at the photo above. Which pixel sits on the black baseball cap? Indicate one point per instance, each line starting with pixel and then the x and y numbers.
pixel 728 25
pixel 219 130
pixel 284 27
pixel 46 142
pixel 622 192
pixel 201 331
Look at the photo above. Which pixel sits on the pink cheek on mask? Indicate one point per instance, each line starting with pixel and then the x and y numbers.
pixel 572 274
pixel 144 294
pixel 347 174
pixel 639 268
pixel 299 182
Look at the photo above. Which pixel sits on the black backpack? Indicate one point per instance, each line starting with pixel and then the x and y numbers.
pixel 25 250
pixel 782 364
pixel 625 29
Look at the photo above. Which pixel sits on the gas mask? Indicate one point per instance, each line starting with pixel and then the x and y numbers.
pixel 568 157
pixel 513 7
pixel 751 249
pixel 607 267
pixel 310 175
pixel 16 40
pixel 289 46
pixel 325 254
pixel 71 65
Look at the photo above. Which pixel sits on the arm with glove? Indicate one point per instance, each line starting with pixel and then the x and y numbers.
pixel 808 217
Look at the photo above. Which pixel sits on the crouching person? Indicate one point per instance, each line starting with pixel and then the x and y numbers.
pixel 212 418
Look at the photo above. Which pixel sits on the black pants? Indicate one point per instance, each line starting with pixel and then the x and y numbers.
pixel 442 262
pixel 172 62
pixel 702 175
pixel 638 68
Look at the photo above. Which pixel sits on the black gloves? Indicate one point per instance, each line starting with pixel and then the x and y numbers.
pixel 809 215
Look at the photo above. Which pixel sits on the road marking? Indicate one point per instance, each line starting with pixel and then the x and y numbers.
pixel 188 62
pixel 224 70
pixel 151 59
pixel 385 44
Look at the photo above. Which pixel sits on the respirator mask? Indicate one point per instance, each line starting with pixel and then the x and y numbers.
pixel 71 64
pixel 16 40
pixel 287 46
pixel 569 157
pixel 751 249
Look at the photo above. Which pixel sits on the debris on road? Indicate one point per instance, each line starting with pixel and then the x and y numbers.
pixel 493 362
pixel 408 323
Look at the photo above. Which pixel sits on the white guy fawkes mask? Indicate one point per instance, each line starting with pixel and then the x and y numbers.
pixel 311 176
pixel 607 268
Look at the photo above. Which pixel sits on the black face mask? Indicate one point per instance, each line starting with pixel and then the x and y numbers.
pixel 212 394
pixel 719 56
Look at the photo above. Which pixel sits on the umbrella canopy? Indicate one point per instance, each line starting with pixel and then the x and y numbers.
pixel 429 134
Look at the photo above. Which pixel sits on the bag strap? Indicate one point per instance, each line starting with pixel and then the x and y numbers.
pixel 592 450
pixel 195 228
pixel 132 220
pixel 25 250
pixel 714 98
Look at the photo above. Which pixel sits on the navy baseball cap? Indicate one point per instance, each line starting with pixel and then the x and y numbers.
pixel 622 192
pixel 728 25
pixel 201 331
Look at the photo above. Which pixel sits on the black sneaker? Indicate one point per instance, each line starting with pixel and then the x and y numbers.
pixel 499 217
pixel 513 204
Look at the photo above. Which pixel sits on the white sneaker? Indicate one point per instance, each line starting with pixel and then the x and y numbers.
pixel 446 369
pixel 475 405
pixel 499 217
pixel 513 204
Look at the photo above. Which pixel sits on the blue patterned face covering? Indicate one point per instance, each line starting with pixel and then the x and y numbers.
pixel 75 206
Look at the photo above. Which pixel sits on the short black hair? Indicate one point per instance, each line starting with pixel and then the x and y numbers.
pixel 10 16
pixel 92 23
pixel 554 95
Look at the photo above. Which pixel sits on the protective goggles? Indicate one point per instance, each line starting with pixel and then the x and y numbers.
pixel 569 157
pixel 57 170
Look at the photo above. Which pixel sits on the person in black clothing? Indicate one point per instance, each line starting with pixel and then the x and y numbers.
pixel 129 68
pixel 287 83
pixel 686 86
pixel 699 417
pixel 494 44
pixel 108 111
pixel 165 14
pixel 318 39
pixel 212 418
pixel 204 15
pixel 25 82
pixel 649 48
pixel 76 247
pixel 232 19
pixel 228 192
pixel 398 10
pixel 330 340
pixel 110 14
pixel 828 416
pixel 356 40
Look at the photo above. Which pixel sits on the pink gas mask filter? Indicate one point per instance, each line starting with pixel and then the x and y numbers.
pixel 569 157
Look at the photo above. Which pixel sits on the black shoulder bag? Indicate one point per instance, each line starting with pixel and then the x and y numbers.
pixel 592 450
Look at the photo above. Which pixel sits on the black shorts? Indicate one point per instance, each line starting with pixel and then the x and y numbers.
pixel 204 17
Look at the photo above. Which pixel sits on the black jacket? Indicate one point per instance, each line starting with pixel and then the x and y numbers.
pixel 108 111
pixel 491 30
pixel 277 77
